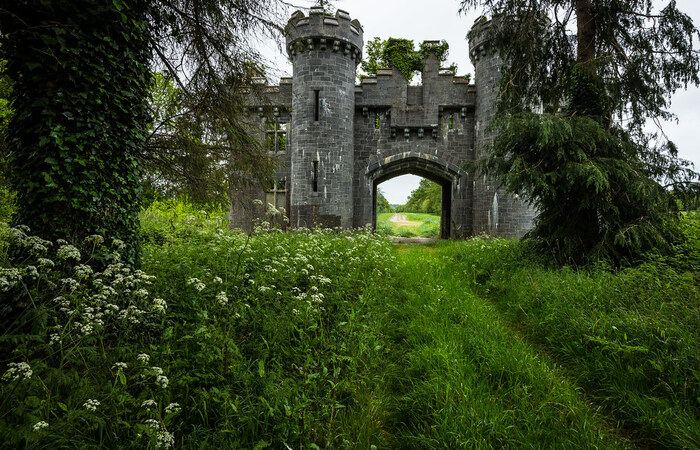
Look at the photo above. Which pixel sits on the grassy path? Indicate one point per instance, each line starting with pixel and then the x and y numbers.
pixel 443 371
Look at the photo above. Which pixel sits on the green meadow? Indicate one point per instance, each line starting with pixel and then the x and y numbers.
pixel 327 339
pixel 417 224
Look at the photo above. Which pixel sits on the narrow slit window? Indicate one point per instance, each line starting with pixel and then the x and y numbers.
pixel 376 120
pixel 315 177
pixel 451 123
pixel 317 105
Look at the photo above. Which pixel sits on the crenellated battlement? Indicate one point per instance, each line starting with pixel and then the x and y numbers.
pixel 320 32
pixel 478 46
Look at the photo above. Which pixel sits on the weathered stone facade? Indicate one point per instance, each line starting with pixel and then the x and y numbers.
pixel 342 140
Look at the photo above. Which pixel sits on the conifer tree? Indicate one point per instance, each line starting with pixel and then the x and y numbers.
pixel 602 185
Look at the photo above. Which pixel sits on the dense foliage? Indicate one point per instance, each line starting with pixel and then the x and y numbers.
pixel 80 74
pixel 627 337
pixel 7 196
pixel 383 205
pixel 598 71
pixel 427 198
pixel 402 55
pixel 225 347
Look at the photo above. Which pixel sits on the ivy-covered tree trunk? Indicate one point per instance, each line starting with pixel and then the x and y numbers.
pixel 81 71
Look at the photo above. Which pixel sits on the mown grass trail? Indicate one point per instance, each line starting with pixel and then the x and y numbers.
pixel 448 373
pixel 415 224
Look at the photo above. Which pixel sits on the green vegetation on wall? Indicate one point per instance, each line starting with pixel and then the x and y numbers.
pixel 80 74
pixel 402 55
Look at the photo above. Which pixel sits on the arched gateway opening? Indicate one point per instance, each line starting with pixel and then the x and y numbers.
pixel 422 165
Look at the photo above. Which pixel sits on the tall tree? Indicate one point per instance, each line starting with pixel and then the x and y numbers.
pixel 188 151
pixel 426 198
pixel 81 72
pixel 599 69
pixel 383 205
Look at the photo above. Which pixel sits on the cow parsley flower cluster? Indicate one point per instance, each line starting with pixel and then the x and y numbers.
pixel 197 283
pixel 18 371
pixel 40 425
pixel 68 251
pixel 91 404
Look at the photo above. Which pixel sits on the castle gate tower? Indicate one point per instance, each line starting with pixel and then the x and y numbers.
pixel 495 212
pixel 325 51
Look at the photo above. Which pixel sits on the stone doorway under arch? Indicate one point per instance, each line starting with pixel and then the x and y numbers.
pixel 423 165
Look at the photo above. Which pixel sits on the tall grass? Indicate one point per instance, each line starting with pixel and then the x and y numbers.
pixel 454 376
pixel 628 338
pixel 326 339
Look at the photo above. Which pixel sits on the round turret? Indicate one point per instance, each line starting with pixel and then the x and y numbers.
pixel 324 51
pixel 339 34
pixel 496 211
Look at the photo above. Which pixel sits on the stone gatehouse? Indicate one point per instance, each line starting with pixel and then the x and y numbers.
pixel 335 141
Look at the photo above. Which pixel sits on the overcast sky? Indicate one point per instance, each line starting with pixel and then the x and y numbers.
pixel 422 20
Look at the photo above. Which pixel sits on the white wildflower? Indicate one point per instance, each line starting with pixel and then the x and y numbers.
pixel 118 243
pixel 45 262
pixel 142 293
pixel 165 439
pixel 32 272
pixel 68 251
pixel 17 371
pixel 83 270
pixel 198 285
pixel 120 366
pixel 95 239
pixel 91 404
pixel 9 278
pixel 40 425
pixel 70 283
pixel 148 404
pixel 54 338
pixel 172 408
pixel 162 380
pixel 222 298
pixel 143 357
pixel 160 305
pixel 218 280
